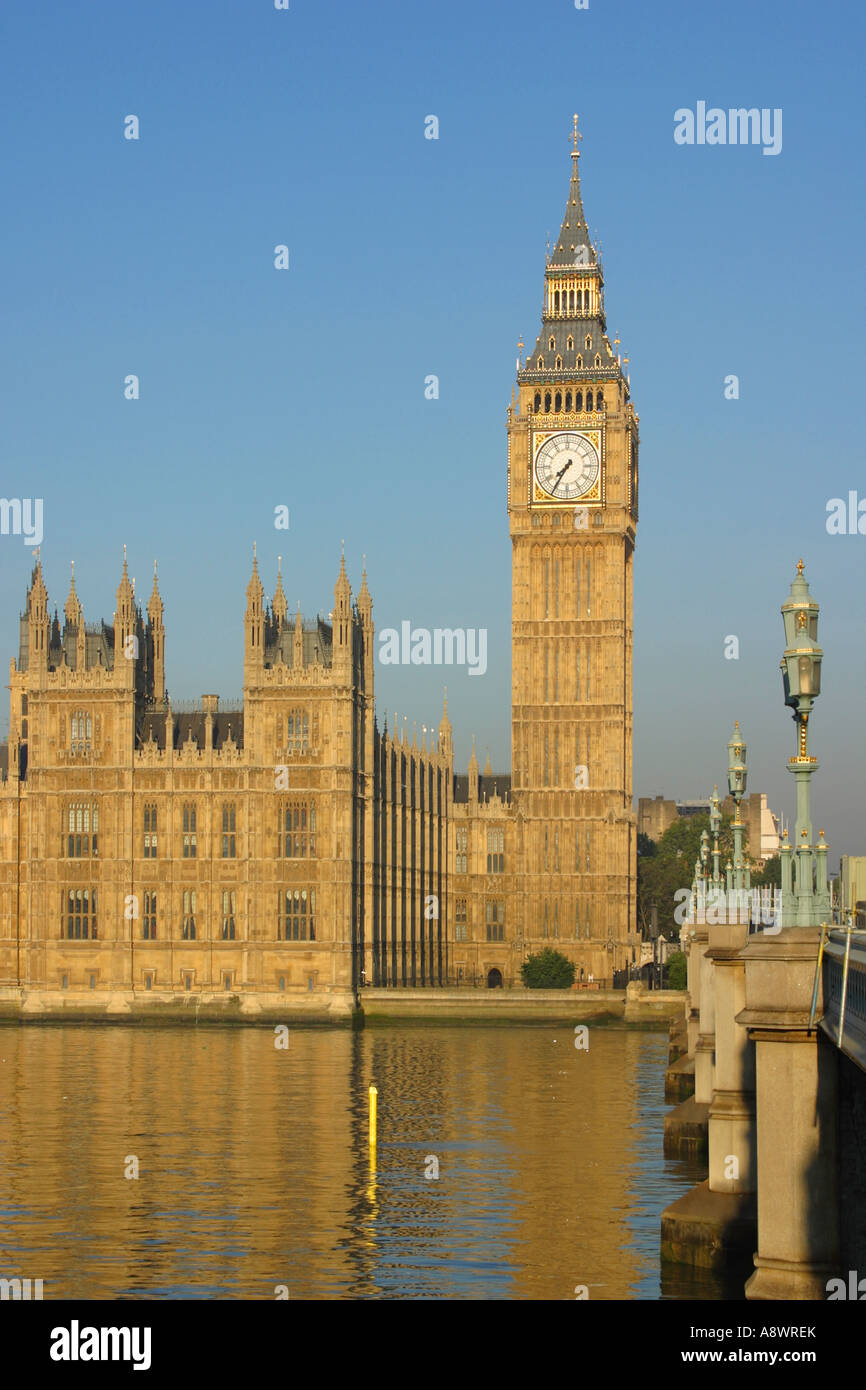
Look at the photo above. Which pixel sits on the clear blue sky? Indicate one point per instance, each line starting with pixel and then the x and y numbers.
pixel 409 257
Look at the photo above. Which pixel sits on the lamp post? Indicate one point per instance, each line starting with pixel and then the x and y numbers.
pixel 715 823
pixel 805 892
pixel 737 776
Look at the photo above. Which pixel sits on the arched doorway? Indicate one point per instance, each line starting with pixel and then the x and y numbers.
pixel 494 979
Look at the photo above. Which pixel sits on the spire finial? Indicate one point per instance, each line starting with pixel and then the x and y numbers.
pixel 154 569
pixel 800 568
pixel 576 135
pixel 279 567
pixel 124 557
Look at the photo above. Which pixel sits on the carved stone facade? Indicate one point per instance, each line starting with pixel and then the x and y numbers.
pixel 289 846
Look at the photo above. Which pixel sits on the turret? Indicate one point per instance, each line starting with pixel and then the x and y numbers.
pixel 125 640
pixel 156 635
pixel 38 622
pixel 342 640
pixel 254 628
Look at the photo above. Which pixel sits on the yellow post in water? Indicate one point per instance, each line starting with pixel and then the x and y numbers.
pixel 373 1094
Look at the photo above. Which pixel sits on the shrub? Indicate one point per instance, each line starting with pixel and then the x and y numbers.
pixel 676 970
pixel 548 970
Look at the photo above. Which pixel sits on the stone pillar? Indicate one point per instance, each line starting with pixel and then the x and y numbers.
pixel 697 946
pixel 796 1092
pixel 706 1043
pixel 732 1132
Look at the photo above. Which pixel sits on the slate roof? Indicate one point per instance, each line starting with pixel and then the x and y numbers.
pixel 318 638
pixel 498 784
pixel 574 247
pixel 153 724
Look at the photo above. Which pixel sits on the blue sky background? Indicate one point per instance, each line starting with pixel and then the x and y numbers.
pixel 410 257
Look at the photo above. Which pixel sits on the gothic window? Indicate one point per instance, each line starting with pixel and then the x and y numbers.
pixel 190 839
pixel 462 838
pixel 228 914
pixel 495 920
pixel 460 918
pixel 495 851
pixel 299 731
pixel 80 914
pixel 148 929
pixel 571 303
pixel 599 400
pixel 587 342
pixel 570 343
pixel 540 362
pixel 296 918
pixel 298 830
pixel 557 405
pixel 559 364
pixel 547 402
pixel 537 403
pixel 598 359
pixel 578 401
pixel 552 344
pixel 555 305
pixel 82 830
pixel 589 400
pixel 150 830
pixel 188 930
pixel 82 728
pixel 568 400
pixel 229 838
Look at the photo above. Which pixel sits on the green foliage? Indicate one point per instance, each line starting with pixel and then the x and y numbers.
pixel 672 867
pixel 548 970
pixel 645 845
pixel 675 968
pixel 770 876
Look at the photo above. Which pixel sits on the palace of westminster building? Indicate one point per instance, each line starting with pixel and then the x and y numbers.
pixel 291 845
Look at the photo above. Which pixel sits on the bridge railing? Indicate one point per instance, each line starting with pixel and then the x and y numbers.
pixel 844 978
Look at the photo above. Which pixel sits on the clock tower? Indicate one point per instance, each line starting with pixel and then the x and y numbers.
pixel 572 506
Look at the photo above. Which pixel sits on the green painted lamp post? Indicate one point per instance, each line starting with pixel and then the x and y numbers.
pixel 805 891
pixel 715 823
pixel 737 776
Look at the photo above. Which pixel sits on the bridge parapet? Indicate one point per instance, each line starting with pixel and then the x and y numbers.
pixel 844 978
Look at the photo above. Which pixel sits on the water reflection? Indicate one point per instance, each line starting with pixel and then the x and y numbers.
pixel 255 1171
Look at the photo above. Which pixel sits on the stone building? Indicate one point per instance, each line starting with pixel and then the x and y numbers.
pixel 290 845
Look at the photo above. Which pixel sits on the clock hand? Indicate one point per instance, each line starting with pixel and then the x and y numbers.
pixel 562 471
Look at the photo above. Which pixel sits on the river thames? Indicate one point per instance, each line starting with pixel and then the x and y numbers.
pixel 255 1178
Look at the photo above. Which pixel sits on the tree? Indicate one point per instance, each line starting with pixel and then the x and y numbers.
pixel 675 967
pixel 671 868
pixel 645 845
pixel 548 970
pixel 768 877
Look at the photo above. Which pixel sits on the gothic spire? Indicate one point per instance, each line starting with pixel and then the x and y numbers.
pixel 72 608
pixel 574 247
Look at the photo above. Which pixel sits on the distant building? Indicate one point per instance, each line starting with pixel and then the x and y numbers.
pixel 852 887
pixel 656 814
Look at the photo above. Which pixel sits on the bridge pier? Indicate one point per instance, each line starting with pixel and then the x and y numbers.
pixel 796 1089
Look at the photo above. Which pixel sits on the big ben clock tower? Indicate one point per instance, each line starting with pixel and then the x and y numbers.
pixel 572 505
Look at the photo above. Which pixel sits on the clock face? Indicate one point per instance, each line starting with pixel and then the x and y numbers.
pixel 567 466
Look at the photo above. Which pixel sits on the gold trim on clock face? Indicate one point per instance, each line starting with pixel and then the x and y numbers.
pixel 567 466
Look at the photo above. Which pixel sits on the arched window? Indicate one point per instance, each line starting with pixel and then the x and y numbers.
pixel 578 401
pixel 570 343
pixel 547 402
pixel 540 362
pixel 558 402
pixel 579 360
pixel 229 826
pixel 598 359
pixel 556 302
pixel 537 403
pixel 587 342
pixel 589 400
pixel 190 842
pixel 150 836
pixel 81 732
pixel 188 930
pixel 559 364
pixel 599 400
pixel 298 731
pixel 552 344
pixel 571 301
pixel 568 400
pixel 228 914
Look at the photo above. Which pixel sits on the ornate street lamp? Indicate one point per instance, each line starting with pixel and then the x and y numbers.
pixel 737 776
pixel 805 890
